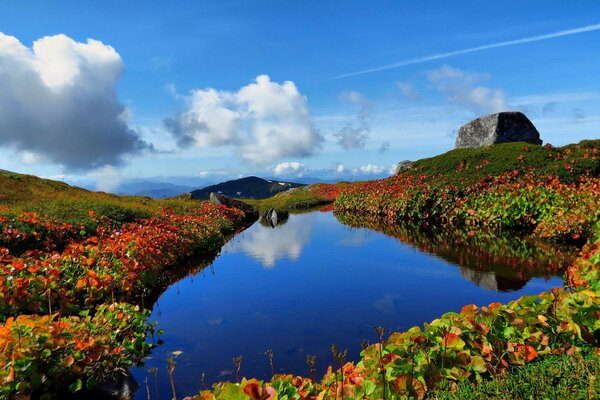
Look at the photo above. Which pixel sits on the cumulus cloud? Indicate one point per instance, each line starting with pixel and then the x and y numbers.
pixel 370 169
pixel 339 168
pixel 58 103
pixel 408 91
pixel 354 134
pixel 289 168
pixel 264 121
pixel 464 89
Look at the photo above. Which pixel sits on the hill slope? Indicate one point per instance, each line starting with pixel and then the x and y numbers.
pixel 251 187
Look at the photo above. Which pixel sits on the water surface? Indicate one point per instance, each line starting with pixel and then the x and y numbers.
pixel 313 282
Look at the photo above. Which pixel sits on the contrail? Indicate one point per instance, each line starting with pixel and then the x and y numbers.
pixel 568 32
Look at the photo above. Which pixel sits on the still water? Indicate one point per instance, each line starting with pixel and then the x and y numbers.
pixel 312 282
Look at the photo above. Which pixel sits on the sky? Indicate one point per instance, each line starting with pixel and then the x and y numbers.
pixel 104 92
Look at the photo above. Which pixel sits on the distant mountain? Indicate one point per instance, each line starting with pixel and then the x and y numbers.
pixel 251 187
pixel 310 180
pixel 156 190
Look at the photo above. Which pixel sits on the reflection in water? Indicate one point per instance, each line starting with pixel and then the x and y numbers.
pixel 491 281
pixel 270 245
pixel 495 262
pixel 300 287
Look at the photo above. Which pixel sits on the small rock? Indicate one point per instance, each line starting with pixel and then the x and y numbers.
pixel 503 127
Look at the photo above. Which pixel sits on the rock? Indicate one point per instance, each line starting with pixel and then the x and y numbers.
pixel 273 217
pixel 250 213
pixel 496 128
pixel 404 166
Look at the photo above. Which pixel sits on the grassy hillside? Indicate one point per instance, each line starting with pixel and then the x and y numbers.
pixel 78 268
pixel 70 204
pixel 461 168
pixel 466 166
pixel 297 199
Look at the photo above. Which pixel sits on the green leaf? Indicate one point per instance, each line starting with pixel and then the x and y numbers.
pixel 370 387
pixel 76 386
pixel 478 364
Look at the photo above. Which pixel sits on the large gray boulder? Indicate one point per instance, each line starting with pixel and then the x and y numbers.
pixel 404 166
pixel 496 128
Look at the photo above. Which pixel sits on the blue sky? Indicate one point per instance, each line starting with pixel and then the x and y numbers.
pixel 329 121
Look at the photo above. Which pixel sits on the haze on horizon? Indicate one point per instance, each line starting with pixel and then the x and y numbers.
pixel 106 92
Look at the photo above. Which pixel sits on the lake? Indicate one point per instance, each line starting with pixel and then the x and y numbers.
pixel 312 282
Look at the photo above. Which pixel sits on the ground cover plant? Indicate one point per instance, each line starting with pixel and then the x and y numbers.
pixel 73 291
pixel 299 199
pixel 562 206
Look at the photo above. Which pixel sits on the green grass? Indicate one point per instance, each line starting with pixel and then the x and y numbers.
pixel 465 166
pixel 292 200
pixel 71 204
pixel 552 377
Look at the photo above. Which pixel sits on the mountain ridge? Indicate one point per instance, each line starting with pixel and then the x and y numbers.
pixel 251 187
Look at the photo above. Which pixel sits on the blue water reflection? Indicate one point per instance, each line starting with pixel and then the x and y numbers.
pixel 298 289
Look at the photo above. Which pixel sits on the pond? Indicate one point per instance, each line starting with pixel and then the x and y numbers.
pixel 312 282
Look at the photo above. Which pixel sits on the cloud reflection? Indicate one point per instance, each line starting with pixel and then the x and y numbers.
pixel 267 245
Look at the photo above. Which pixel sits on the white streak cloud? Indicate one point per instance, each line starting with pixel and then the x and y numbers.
pixel 439 56
pixel 264 121
pixel 58 103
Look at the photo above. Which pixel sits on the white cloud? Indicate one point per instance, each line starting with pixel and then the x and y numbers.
pixel 370 169
pixel 352 97
pixel 289 168
pixel 30 158
pixel 264 121
pixel 58 103
pixel 107 178
pixel 463 89
pixel 214 172
pixel 408 91
pixel 354 134
pixel 339 168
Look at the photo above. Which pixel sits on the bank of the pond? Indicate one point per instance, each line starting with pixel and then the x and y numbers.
pixel 77 269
